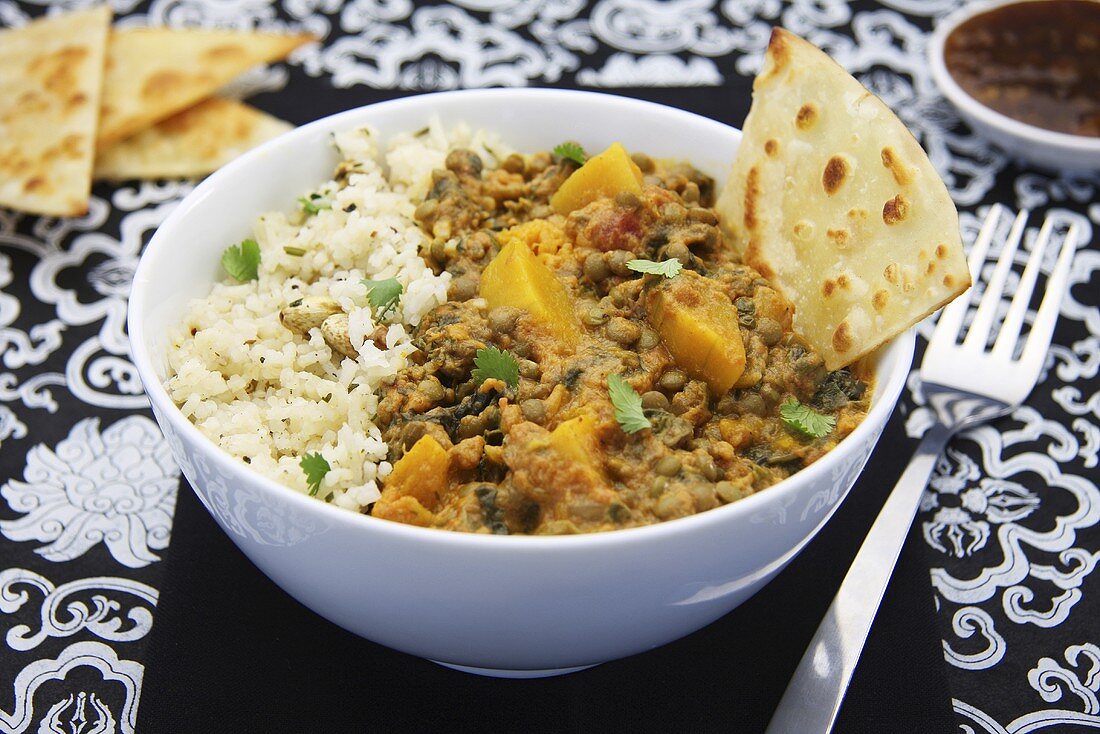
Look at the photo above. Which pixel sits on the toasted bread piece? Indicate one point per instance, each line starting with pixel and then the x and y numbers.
pixel 191 143
pixel 833 200
pixel 153 73
pixel 51 73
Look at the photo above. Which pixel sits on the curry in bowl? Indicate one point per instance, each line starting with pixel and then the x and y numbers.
pixel 603 359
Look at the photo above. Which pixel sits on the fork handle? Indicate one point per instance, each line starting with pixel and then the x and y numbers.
pixel 812 700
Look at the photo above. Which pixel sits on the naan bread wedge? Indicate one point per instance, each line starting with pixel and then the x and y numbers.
pixel 832 200
pixel 51 72
pixel 191 143
pixel 153 73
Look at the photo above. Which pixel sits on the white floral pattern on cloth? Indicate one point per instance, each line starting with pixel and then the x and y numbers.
pixel 108 264
pixel 966 506
pixel 20 348
pixel 74 708
pixel 443 48
pixel 104 619
pixel 118 488
pixel 82 713
pixel 97 371
pixel 10 425
pixel 966 622
pixel 1081 679
pixel 963 527
pixel 660 70
pixel 1074 685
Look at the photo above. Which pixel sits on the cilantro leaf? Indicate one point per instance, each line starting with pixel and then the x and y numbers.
pixel 669 268
pixel 628 405
pixel 805 420
pixel 493 363
pixel 242 261
pixel 571 151
pixel 383 296
pixel 313 203
pixel 315 467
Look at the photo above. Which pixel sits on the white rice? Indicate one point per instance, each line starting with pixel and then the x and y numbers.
pixel 269 396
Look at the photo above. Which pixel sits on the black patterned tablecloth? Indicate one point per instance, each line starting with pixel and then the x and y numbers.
pixel 122 606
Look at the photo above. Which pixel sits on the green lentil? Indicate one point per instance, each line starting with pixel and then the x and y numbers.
pixel 654 400
pixel 672 380
pixel 668 466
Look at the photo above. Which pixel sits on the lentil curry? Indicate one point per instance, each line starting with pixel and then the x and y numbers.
pixel 604 360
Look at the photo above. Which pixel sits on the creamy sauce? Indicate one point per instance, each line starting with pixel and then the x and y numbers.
pixel 1037 62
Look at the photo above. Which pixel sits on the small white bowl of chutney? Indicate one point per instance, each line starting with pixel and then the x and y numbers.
pixel 1026 75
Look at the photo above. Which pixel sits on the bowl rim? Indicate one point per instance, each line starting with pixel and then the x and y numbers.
pixel 887 389
pixel 987 115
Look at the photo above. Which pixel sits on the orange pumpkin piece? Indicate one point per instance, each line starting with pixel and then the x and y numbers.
pixel 698 325
pixel 421 476
pixel 575 439
pixel 517 278
pixel 603 175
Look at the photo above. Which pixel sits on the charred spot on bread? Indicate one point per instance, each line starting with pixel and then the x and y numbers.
pixel 752 194
pixel 895 210
pixel 806 117
pixel 842 337
pixel 838 236
pixel 835 173
pixel 902 175
pixel 777 48
pixel 891 273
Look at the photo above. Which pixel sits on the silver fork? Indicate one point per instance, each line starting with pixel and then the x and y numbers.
pixel 966 384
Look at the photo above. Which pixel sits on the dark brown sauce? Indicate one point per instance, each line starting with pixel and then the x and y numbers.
pixel 1037 62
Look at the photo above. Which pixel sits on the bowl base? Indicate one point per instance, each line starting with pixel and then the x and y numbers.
pixel 516 674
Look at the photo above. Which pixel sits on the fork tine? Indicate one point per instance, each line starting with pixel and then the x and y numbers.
pixel 978 334
pixel 1038 340
pixel 1014 319
pixel 951 318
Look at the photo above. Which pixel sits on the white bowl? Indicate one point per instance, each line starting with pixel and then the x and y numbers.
pixel 500 605
pixel 1045 148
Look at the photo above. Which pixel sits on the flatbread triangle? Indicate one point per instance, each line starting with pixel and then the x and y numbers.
pixel 51 74
pixel 191 143
pixel 833 200
pixel 153 73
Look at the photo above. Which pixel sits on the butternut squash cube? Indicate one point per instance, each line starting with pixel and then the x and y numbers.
pixel 421 474
pixel 517 278
pixel 602 175
pixel 575 439
pixel 698 325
